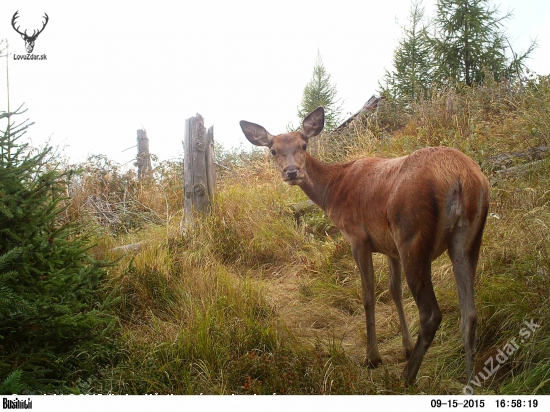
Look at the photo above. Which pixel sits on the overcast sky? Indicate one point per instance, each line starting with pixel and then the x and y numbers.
pixel 115 67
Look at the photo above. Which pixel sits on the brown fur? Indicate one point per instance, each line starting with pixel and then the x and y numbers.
pixel 412 208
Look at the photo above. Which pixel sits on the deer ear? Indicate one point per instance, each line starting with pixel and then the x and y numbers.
pixel 256 134
pixel 314 123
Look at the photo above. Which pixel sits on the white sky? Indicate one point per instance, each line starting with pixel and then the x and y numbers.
pixel 115 67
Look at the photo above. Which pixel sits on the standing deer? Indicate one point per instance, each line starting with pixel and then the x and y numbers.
pixel 410 208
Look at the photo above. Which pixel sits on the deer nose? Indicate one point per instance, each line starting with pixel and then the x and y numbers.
pixel 292 172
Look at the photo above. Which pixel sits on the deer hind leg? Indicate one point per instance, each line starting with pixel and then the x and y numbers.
pixel 418 274
pixel 363 257
pixel 464 261
pixel 396 292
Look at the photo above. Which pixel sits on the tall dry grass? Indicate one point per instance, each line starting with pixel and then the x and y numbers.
pixel 256 299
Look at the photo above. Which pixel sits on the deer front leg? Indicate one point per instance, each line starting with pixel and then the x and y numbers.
pixel 363 257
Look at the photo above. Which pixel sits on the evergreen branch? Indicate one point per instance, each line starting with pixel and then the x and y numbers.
pixel 4 114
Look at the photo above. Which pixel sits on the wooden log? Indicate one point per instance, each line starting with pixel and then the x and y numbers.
pixel 370 106
pixel 519 170
pixel 508 160
pixel 129 248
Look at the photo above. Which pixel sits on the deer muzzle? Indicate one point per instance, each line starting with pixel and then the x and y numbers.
pixel 291 173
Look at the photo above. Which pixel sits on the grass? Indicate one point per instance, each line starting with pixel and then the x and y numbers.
pixel 257 300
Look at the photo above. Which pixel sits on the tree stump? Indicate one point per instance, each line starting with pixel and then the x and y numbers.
pixel 143 157
pixel 199 170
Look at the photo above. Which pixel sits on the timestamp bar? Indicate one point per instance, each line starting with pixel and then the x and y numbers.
pixel 490 402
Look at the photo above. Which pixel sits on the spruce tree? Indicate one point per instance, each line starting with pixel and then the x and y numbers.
pixel 50 315
pixel 411 76
pixel 469 42
pixel 321 92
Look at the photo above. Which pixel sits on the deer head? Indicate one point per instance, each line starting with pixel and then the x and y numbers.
pixel 288 149
pixel 29 40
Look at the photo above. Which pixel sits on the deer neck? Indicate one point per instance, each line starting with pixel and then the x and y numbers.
pixel 320 178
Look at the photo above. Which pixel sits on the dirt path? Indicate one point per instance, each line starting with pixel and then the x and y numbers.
pixel 315 321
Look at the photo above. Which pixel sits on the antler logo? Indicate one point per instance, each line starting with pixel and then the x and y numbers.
pixel 29 40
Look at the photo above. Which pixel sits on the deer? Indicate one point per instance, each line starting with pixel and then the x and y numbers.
pixel 412 209
pixel 29 40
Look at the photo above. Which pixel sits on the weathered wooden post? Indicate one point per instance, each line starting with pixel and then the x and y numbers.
pixel 210 163
pixel 198 170
pixel 143 156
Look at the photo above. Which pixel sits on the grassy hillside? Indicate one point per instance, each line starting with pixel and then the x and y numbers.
pixel 258 300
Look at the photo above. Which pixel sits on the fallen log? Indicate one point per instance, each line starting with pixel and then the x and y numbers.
pixel 508 160
pixel 519 170
pixel 370 106
pixel 129 248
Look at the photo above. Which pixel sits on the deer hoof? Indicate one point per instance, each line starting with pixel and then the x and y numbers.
pixel 409 381
pixel 372 363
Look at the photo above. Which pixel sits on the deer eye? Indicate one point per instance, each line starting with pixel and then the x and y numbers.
pixel 304 147
pixel 273 152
